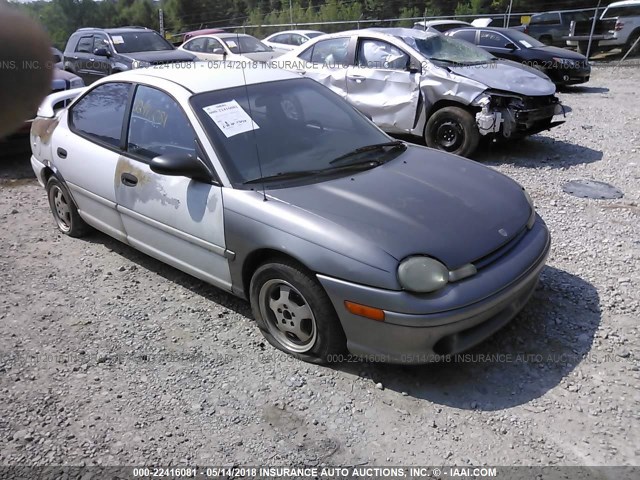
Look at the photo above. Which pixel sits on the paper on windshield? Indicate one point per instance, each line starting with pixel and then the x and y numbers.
pixel 232 44
pixel 230 118
pixel 117 39
pixel 525 43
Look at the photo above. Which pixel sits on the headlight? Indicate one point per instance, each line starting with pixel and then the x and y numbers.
pixel 422 274
pixel 564 61
pixel 532 215
pixel 140 64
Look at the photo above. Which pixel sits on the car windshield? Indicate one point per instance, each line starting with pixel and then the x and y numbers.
pixel 245 44
pixel 524 40
pixel 145 41
pixel 450 50
pixel 299 128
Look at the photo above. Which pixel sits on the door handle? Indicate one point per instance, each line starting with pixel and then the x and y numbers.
pixel 62 153
pixel 357 78
pixel 129 180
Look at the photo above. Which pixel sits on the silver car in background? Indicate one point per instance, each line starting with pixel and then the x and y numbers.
pixel 425 84
pixel 288 40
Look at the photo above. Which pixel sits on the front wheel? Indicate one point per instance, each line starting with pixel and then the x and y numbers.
pixel 453 130
pixel 294 313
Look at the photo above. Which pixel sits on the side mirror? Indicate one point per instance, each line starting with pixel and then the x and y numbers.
pixel 180 165
pixel 218 51
pixel 101 52
pixel 414 66
pixel 511 46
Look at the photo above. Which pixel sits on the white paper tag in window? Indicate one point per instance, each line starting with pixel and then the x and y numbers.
pixel 231 118
pixel 117 39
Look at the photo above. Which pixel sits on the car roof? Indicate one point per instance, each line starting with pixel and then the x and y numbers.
pixel 131 29
pixel 203 77
pixel 624 3
pixel 442 22
pixel 296 31
pixel 391 31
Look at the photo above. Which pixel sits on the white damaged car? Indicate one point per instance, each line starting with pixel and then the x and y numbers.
pixel 448 91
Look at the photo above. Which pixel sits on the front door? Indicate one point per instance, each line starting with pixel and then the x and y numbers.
pixel 381 86
pixel 175 219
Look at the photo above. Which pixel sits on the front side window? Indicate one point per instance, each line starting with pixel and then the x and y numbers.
pixel 282 127
pixel 85 44
pixel 100 113
pixel 297 39
pixel 213 46
pixel 143 41
pixel 492 39
pixel 158 126
pixel 381 55
pixel 100 42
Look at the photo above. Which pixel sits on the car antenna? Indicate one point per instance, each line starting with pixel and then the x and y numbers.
pixel 253 128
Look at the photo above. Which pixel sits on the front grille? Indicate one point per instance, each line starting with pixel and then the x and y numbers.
pixel 531 103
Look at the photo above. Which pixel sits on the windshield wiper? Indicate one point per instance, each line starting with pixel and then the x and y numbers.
pixel 284 176
pixel 363 165
pixel 369 148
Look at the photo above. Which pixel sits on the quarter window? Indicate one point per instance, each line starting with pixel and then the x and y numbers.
pixel 100 114
pixel 158 126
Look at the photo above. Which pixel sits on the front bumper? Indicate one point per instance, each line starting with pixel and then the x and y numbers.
pixel 471 310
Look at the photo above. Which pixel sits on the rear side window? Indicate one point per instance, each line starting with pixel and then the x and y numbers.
pixel 99 114
pixel 467 35
pixel 85 44
pixel 622 11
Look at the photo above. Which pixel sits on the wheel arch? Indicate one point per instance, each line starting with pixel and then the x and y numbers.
pixel 440 104
pixel 261 256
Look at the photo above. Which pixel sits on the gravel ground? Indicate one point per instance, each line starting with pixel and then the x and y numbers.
pixel 110 357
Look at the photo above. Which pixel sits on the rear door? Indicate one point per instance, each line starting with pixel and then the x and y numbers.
pixel 175 219
pixel 80 59
pixel 327 61
pixel 86 153
pixel 381 86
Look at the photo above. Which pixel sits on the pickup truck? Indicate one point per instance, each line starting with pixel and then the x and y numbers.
pixel 617 27
pixel 551 28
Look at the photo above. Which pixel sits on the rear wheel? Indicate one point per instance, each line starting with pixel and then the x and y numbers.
pixel 546 39
pixel 64 210
pixel 631 43
pixel 294 313
pixel 454 130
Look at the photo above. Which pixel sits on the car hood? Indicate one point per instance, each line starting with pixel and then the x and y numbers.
pixel 423 202
pixel 559 52
pixel 162 56
pixel 508 76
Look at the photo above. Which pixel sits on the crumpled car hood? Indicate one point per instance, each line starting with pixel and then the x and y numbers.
pixel 509 76
pixel 422 202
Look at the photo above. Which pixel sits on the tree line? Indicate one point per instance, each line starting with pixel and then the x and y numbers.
pixel 63 17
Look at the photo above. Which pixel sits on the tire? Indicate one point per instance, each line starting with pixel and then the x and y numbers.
pixel 546 39
pixel 582 48
pixel 64 209
pixel 454 130
pixel 282 289
pixel 630 42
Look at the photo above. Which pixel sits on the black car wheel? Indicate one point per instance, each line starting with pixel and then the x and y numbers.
pixel 631 43
pixel 294 312
pixel 453 130
pixel 64 210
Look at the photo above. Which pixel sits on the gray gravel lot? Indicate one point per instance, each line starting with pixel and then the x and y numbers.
pixel 110 357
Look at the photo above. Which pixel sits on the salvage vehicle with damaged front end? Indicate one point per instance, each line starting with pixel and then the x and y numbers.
pixel 271 187
pixel 424 84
